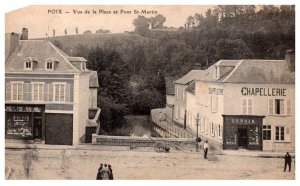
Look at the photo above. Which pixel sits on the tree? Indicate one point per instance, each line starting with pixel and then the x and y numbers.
pixel 87 32
pixel 141 25
pixel 157 21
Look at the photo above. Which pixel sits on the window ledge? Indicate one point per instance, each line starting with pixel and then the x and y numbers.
pixel 282 142
pixel 280 115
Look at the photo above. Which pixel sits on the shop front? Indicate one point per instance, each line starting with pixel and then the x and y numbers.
pixel 24 121
pixel 242 132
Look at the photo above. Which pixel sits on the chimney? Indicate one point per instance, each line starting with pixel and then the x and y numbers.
pixel 24 35
pixel 14 42
pixel 290 60
pixel 197 66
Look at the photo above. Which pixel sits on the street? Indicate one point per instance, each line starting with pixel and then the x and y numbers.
pixel 141 163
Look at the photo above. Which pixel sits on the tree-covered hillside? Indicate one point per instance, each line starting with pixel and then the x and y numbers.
pixel 140 60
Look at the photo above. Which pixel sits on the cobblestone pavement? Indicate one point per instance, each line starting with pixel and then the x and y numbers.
pixel 142 163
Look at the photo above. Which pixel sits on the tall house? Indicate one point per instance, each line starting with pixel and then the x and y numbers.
pixel 49 96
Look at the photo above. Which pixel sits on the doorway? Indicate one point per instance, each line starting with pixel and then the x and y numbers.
pixel 37 128
pixel 242 137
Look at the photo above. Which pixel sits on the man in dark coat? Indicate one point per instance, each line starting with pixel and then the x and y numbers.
pixel 111 176
pixel 287 161
pixel 99 176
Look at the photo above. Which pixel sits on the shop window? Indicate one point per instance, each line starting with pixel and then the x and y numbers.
pixel 19 124
pixel 214 103
pixel 267 132
pixel 17 90
pixel 279 133
pixel 38 91
pixel 247 106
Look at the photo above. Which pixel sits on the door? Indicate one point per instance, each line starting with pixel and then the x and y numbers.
pixel 242 137
pixel 59 129
pixel 37 128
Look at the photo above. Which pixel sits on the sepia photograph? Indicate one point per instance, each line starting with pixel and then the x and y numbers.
pixel 150 92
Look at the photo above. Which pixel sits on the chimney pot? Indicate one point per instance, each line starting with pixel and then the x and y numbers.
pixel 290 60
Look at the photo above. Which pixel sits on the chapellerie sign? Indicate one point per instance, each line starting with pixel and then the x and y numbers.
pixel 24 109
pixel 263 91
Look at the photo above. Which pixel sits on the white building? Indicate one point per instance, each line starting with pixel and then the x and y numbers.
pixel 245 104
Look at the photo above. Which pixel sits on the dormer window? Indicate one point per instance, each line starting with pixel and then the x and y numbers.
pixel 29 63
pixel 50 63
pixel 49 66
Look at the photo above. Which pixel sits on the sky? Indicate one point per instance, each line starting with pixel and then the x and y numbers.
pixel 42 19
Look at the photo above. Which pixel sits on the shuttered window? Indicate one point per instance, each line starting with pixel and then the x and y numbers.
pixel 8 91
pixel 27 91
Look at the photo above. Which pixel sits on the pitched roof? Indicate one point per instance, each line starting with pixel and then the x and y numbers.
pixel 39 50
pixel 252 71
pixel 262 71
pixel 191 87
pixel 190 76
pixel 170 87
pixel 93 81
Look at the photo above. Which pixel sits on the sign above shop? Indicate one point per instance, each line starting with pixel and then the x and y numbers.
pixel 243 120
pixel 263 91
pixel 24 108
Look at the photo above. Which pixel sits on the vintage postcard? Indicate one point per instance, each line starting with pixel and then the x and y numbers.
pixel 150 92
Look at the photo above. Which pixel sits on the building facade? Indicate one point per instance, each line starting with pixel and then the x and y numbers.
pixel 49 96
pixel 246 104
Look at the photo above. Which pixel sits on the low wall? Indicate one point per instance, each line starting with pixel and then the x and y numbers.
pixel 140 141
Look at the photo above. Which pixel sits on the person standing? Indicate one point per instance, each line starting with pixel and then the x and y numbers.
pixel 287 161
pixel 105 172
pixel 205 147
pixel 111 176
pixel 99 176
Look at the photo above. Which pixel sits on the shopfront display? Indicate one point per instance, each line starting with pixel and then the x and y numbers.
pixel 243 132
pixel 24 121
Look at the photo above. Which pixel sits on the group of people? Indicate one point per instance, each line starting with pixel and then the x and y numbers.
pixel 105 172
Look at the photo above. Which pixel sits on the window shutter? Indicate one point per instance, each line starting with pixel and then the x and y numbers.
pixel 8 91
pixel 282 107
pixel 271 106
pixel 50 93
pixel 244 106
pixel 287 135
pixel 68 93
pixel 288 107
pixel 46 92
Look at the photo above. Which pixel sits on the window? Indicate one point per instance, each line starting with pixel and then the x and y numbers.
pixel 279 133
pixel 247 106
pixel 279 107
pixel 59 92
pixel 219 128
pixel 267 132
pixel 212 132
pixel 27 91
pixel 214 103
pixel 49 66
pixel 28 65
pixel 38 91
pixel 17 91
pixel 177 93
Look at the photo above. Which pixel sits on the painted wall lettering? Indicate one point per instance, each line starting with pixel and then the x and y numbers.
pixel 263 91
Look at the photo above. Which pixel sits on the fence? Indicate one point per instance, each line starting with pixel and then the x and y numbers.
pixel 139 141
pixel 164 128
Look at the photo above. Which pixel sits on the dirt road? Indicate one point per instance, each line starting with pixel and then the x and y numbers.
pixel 141 164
